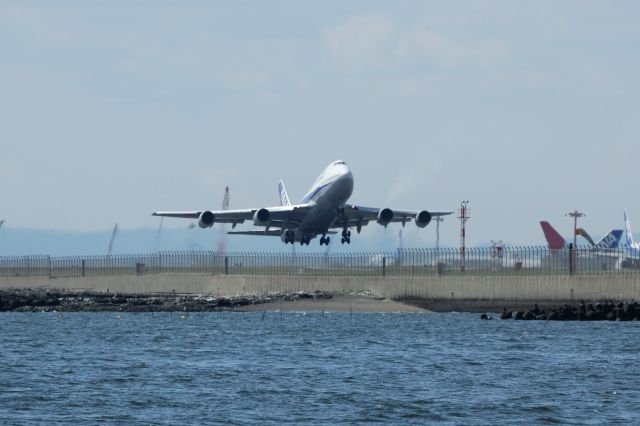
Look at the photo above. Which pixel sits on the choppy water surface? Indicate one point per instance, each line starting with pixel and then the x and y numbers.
pixel 237 368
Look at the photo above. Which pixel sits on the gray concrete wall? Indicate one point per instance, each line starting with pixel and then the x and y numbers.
pixel 445 293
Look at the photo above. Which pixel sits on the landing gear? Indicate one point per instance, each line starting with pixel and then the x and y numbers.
pixel 324 240
pixel 346 236
pixel 305 240
pixel 288 237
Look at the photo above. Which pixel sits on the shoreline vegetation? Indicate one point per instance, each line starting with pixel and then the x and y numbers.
pixel 56 300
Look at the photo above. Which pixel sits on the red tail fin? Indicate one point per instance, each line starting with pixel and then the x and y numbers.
pixel 554 240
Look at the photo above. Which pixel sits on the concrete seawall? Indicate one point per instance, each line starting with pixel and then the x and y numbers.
pixel 470 293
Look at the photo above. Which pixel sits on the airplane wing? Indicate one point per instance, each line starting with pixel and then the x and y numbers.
pixel 221 216
pixel 273 216
pixel 361 216
pixel 268 233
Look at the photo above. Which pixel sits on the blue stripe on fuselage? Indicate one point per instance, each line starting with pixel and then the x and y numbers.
pixel 315 192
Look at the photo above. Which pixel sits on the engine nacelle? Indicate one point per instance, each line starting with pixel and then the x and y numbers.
pixel 261 217
pixel 206 219
pixel 423 219
pixel 385 216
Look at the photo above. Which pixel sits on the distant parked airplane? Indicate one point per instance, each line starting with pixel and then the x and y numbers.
pixel 556 242
pixel 632 249
pixel 322 209
pixel 629 236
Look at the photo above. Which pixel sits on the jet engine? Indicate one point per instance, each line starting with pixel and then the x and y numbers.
pixel 385 216
pixel 423 218
pixel 261 217
pixel 206 219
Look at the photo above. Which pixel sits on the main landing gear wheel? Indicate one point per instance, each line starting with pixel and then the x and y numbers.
pixel 324 240
pixel 288 237
pixel 305 240
pixel 346 236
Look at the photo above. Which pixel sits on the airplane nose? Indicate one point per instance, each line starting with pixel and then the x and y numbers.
pixel 347 177
pixel 346 174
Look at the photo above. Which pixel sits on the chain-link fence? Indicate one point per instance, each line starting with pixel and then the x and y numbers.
pixel 406 262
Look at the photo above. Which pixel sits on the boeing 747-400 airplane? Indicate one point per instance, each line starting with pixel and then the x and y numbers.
pixel 323 209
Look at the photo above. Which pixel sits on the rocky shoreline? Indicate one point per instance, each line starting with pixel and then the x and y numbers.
pixel 49 300
pixel 601 311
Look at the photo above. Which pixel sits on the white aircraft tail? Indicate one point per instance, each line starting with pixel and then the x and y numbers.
pixel 282 192
pixel 627 227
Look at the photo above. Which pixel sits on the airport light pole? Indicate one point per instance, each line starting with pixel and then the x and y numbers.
pixel 464 216
pixel 575 215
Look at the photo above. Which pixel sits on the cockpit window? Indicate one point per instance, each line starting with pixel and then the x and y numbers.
pixel 339 162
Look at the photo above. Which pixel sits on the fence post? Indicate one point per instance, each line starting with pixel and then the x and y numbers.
pixel 571 255
pixel 226 265
pixel 83 266
pixel 384 266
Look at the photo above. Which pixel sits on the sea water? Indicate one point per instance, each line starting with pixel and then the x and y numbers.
pixel 297 368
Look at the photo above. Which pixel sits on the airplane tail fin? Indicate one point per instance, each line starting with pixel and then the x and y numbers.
pixel 627 227
pixel 611 240
pixel 584 234
pixel 282 192
pixel 554 240
pixel 225 199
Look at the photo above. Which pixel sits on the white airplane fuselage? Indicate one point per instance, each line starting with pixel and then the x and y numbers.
pixel 323 210
pixel 328 195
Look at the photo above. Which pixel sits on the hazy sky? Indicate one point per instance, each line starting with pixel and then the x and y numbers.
pixel 111 110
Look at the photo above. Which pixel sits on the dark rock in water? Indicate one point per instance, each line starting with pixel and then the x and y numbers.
pixel 240 301
pixel 536 310
pixel 222 302
pixel 620 313
pixel 630 310
pixel 567 313
pixel 304 295
pixel 582 309
pixel 484 317
pixel 591 315
pixel 600 311
pixel 506 314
